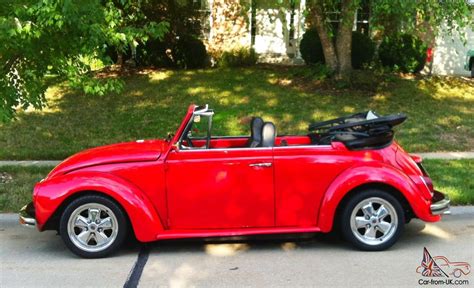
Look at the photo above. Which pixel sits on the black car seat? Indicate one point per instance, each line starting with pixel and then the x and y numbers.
pixel 268 134
pixel 255 132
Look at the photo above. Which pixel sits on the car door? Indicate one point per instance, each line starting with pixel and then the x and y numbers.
pixel 220 188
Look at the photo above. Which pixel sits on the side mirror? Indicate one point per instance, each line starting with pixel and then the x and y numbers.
pixel 175 147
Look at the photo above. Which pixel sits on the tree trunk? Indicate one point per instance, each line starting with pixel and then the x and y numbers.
pixel 329 50
pixel 344 38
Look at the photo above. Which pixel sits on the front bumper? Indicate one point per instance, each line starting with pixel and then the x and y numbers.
pixel 27 215
pixel 440 203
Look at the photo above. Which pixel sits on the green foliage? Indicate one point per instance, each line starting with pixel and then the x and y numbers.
pixel 403 52
pixel 56 37
pixel 154 53
pixel 238 57
pixel 393 16
pixel 310 47
pixel 313 72
pixel 363 50
pixel 189 53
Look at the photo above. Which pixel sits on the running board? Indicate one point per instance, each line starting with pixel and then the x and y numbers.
pixel 177 234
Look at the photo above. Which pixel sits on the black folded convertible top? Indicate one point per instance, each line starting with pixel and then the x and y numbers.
pixel 366 130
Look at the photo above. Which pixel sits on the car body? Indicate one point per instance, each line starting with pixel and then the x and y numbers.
pixel 469 62
pixel 223 187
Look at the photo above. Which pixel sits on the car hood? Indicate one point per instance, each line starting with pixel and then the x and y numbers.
pixel 141 150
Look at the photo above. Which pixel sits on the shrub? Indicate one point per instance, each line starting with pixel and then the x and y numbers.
pixel 153 53
pixel 363 49
pixel 189 52
pixel 112 54
pixel 238 57
pixel 403 52
pixel 310 47
pixel 314 72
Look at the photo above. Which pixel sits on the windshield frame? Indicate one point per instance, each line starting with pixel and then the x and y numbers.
pixel 201 112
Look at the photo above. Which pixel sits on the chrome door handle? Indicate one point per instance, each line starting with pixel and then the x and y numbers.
pixel 266 164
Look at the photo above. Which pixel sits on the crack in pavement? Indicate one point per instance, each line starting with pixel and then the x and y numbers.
pixel 137 269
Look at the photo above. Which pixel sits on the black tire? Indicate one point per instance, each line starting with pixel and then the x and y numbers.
pixel 472 71
pixel 352 206
pixel 121 222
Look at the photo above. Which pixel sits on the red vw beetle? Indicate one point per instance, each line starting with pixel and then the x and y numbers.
pixel 346 173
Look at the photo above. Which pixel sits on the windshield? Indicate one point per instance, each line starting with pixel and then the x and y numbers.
pixel 197 134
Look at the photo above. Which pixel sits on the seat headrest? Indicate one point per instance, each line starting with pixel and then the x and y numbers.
pixel 255 131
pixel 268 134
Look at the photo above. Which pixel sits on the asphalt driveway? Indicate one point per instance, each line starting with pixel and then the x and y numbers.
pixel 32 259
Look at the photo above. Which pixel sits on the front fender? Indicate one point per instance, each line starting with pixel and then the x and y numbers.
pixel 50 194
pixel 367 174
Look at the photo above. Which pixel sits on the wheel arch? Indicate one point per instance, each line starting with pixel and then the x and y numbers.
pixel 52 196
pixel 53 222
pixel 407 209
pixel 372 175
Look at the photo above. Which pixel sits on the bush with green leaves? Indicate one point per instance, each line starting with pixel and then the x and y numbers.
pixel 56 37
pixel 189 52
pixel 311 48
pixel 238 57
pixel 154 53
pixel 363 50
pixel 403 52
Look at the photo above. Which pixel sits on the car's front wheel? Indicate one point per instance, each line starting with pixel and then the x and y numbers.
pixel 372 220
pixel 93 226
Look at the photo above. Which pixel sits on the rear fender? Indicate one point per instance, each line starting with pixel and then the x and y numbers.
pixel 369 173
pixel 50 194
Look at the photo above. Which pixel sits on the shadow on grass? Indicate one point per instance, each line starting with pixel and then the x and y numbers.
pixel 153 104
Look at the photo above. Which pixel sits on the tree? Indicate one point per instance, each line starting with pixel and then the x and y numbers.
pixel 388 16
pixel 45 38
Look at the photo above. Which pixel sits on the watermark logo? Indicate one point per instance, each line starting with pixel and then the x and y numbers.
pixel 438 270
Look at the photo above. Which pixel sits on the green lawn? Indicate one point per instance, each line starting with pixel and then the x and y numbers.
pixel 453 177
pixel 440 110
pixel 16 185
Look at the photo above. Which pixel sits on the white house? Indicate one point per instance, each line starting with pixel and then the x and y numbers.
pixel 449 53
pixel 275 28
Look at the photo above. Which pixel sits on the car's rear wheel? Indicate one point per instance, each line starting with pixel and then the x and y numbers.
pixel 93 226
pixel 372 220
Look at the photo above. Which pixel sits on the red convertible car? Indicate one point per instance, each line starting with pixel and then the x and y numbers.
pixel 346 174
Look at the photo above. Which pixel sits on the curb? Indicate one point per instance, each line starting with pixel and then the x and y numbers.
pixel 447 155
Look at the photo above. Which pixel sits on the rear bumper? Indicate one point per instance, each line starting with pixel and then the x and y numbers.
pixel 440 204
pixel 27 215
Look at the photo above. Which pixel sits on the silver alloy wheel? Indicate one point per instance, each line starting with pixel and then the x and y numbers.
pixel 374 221
pixel 92 227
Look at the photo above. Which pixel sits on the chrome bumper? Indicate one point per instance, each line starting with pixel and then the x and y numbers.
pixel 27 215
pixel 440 204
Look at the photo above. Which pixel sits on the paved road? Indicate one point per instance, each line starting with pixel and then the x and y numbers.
pixel 32 259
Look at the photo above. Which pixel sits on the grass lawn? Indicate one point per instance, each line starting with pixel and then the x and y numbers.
pixel 453 177
pixel 16 185
pixel 440 110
